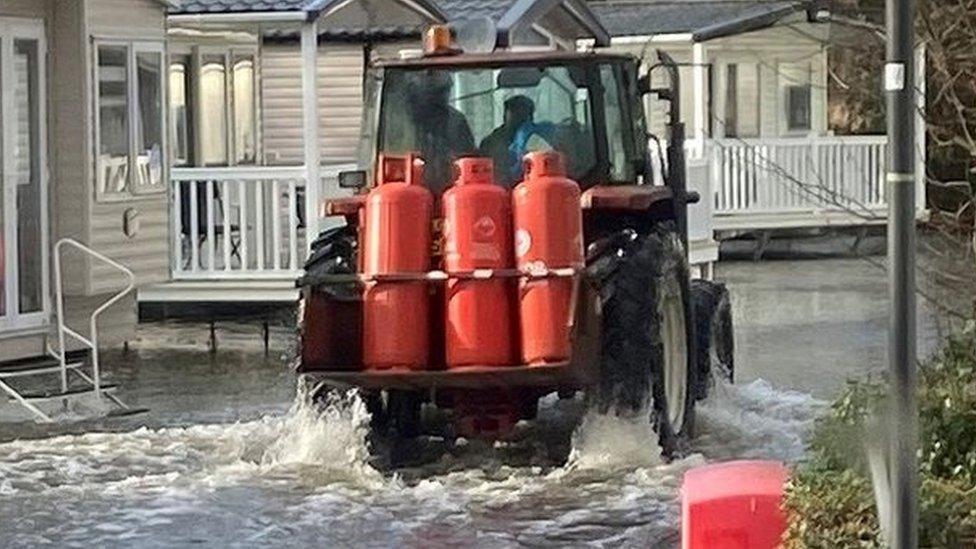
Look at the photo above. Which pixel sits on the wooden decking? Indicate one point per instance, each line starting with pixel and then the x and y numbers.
pixel 221 291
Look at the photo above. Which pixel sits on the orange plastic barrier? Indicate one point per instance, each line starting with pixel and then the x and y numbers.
pixel 477 235
pixel 548 233
pixel 734 505
pixel 396 241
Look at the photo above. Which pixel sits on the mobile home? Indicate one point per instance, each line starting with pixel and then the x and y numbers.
pixel 82 84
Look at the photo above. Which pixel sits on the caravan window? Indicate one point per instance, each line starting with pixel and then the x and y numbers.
pixel 179 98
pixel 798 107
pixel 213 110
pixel 129 120
pixel 149 121
pixel 213 106
pixel 245 127
pixel 112 162
pixel 795 83
pixel 742 100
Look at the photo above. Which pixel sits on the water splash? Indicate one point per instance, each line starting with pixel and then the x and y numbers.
pixel 610 442
pixel 755 420
pixel 752 420
pixel 333 433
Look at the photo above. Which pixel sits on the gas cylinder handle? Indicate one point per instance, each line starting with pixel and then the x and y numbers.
pixel 536 269
pixel 415 169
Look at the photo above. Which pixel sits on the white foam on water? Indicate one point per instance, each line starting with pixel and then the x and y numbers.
pixel 751 420
pixel 608 442
pixel 333 434
pixel 330 438
pixel 755 420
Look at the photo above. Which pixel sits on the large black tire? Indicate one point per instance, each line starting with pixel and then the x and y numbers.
pixel 395 424
pixel 647 334
pixel 403 413
pixel 713 329
pixel 396 414
pixel 335 251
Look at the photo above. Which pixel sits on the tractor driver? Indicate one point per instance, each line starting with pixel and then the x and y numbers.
pixel 519 111
pixel 442 132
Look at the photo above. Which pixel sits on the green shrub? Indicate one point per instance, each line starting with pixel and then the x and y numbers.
pixel 830 508
pixel 830 500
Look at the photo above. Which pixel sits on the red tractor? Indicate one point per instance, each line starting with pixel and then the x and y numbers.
pixel 399 306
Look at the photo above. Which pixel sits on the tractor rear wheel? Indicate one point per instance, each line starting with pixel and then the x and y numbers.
pixel 648 360
pixel 713 329
pixel 334 251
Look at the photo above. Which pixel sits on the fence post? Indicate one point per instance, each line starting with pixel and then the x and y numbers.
pixel 310 131
pixel 814 175
pixel 715 170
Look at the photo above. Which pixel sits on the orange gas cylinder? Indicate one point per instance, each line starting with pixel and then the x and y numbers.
pixel 396 240
pixel 477 235
pixel 548 233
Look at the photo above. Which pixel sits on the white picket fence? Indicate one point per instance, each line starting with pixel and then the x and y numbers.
pixel 239 222
pixel 799 176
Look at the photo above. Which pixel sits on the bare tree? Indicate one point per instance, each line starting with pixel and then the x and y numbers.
pixel 948 30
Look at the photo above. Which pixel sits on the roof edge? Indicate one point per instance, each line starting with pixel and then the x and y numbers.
pixel 425 8
pixel 589 20
pixel 529 11
pixel 238 17
pixel 747 23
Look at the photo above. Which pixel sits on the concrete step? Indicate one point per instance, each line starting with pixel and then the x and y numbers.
pixel 70 393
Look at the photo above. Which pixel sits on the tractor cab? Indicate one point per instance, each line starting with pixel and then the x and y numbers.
pixel 505 105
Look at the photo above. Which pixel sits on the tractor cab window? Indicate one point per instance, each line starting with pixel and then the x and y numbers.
pixel 501 113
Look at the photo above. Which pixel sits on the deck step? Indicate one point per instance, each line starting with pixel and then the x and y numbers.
pixel 70 393
pixel 126 412
pixel 24 364
pixel 34 370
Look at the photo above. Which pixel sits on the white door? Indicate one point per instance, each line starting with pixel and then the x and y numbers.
pixel 24 299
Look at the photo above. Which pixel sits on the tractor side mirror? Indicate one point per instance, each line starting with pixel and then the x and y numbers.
pixel 644 88
pixel 644 84
pixel 354 179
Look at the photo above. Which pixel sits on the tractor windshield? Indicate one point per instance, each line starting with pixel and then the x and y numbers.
pixel 503 113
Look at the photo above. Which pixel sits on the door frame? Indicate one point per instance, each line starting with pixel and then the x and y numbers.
pixel 11 29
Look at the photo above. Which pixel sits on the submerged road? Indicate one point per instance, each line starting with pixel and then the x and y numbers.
pixel 226 459
pixel 811 325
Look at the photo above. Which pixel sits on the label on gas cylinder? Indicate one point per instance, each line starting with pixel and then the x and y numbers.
pixel 438 229
pixel 484 228
pixel 523 242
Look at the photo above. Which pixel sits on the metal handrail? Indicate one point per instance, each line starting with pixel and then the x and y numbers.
pixel 92 340
pixel 23 402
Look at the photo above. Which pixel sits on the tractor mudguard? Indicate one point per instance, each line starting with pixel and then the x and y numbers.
pixel 611 208
pixel 627 198
pixel 347 206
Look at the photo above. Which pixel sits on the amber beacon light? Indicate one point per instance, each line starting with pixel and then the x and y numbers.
pixel 438 40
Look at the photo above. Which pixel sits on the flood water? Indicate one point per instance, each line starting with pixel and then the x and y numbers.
pixel 227 457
